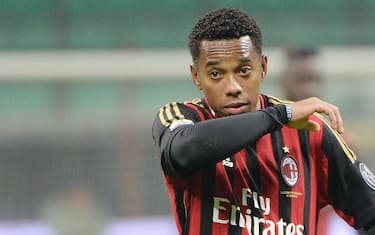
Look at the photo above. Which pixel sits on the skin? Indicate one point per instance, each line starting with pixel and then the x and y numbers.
pixel 230 73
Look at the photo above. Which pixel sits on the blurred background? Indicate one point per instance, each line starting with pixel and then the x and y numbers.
pixel 81 82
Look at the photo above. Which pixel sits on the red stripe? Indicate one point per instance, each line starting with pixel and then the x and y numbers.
pixel 209 114
pixel 171 183
pixel 201 116
pixel 173 204
pixel 347 218
pixel 195 206
pixel 262 104
pixel 291 140
pixel 319 175
pixel 222 186
pixel 268 177
pixel 241 183
pixel 320 158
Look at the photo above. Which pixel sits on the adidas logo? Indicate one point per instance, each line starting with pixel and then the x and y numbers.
pixel 227 162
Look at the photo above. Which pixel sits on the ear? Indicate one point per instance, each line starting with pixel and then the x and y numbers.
pixel 195 76
pixel 264 66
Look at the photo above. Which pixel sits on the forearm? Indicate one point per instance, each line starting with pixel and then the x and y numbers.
pixel 211 141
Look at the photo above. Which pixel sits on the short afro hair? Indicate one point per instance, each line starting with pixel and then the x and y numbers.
pixel 221 24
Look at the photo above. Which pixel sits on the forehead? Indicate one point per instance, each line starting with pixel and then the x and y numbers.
pixel 241 47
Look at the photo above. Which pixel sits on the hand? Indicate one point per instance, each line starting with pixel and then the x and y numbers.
pixel 301 111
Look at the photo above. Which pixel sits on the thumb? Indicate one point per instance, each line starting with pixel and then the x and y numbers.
pixel 312 125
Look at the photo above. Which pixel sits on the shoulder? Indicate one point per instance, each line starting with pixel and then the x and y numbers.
pixel 181 111
pixel 331 140
pixel 177 114
pixel 275 101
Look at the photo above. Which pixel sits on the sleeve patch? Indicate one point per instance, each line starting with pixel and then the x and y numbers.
pixel 367 175
pixel 178 123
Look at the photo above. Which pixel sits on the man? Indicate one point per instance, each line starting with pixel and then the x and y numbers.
pixel 241 162
pixel 302 78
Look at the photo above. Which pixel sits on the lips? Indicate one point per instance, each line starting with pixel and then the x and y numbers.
pixel 236 107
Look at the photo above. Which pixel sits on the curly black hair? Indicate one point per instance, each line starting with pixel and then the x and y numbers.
pixel 224 23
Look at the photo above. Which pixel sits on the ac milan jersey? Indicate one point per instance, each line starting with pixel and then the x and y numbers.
pixel 275 185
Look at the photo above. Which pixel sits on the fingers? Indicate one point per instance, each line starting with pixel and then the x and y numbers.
pixel 304 108
pixel 312 125
pixel 334 117
pixel 339 123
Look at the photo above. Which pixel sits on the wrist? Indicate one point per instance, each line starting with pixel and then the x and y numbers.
pixel 289 112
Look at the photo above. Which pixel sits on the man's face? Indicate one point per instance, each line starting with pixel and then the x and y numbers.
pixel 230 73
pixel 302 79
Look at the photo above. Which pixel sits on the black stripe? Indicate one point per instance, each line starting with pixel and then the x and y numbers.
pixel 173 112
pixel 208 187
pixel 230 170
pixel 252 163
pixel 284 201
pixel 203 109
pixel 304 145
pixel 255 183
pixel 180 206
pixel 187 224
pixel 164 113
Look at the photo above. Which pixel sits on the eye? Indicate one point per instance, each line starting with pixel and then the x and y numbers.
pixel 215 74
pixel 244 71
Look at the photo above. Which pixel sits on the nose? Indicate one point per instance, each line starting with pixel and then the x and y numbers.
pixel 233 88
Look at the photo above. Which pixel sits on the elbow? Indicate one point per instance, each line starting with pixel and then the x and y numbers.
pixel 185 156
pixel 191 155
pixel 188 153
pixel 178 162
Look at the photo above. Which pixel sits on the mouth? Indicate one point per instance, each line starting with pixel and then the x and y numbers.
pixel 236 107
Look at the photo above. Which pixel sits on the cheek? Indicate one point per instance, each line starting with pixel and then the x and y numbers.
pixel 252 86
pixel 213 92
pixel 210 86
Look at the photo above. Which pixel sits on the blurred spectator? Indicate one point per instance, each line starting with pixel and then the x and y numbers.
pixel 303 78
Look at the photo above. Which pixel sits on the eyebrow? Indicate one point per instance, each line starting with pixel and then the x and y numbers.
pixel 211 63
pixel 245 60
pixel 215 62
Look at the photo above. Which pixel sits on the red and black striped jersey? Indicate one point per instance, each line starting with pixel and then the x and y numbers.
pixel 275 185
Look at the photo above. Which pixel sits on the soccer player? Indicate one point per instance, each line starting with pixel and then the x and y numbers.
pixel 238 161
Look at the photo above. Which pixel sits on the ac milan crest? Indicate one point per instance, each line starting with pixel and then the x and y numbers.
pixel 289 170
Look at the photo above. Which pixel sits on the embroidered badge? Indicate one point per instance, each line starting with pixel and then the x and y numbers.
pixel 289 170
pixel 178 123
